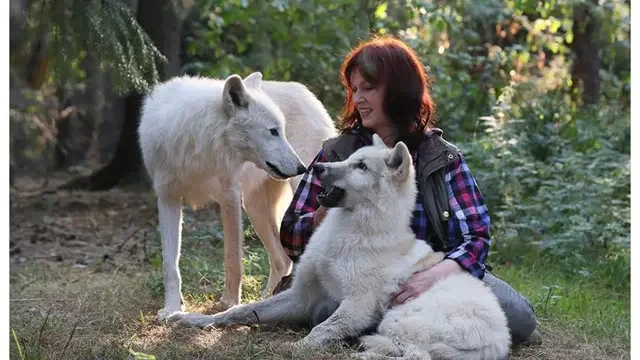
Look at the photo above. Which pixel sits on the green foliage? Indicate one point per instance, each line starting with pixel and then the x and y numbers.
pixel 560 177
pixel 107 28
pixel 555 175
pixel 285 40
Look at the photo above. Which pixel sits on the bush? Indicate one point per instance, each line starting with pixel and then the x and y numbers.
pixel 555 176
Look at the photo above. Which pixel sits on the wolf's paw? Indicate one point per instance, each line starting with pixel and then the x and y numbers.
pixel 197 320
pixel 165 314
pixel 226 302
pixel 291 346
pixel 309 343
pixel 368 356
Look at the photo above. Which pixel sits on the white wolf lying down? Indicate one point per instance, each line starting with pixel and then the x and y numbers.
pixel 358 255
pixel 226 141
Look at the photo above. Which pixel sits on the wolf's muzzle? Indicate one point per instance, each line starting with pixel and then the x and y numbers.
pixel 319 169
pixel 276 171
pixel 299 170
pixel 331 196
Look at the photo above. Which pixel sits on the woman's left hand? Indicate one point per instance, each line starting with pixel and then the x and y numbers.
pixel 423 280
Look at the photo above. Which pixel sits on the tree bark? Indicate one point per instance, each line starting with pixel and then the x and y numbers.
pixel 163 23
pixel 586 48
pixel 17 20
pixel 16 38
pixel 126 159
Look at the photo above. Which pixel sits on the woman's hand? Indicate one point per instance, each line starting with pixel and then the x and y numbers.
pixel 422 281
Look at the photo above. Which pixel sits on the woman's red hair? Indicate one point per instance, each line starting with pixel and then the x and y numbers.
pixel 407 101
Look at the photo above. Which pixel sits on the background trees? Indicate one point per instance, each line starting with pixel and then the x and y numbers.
pixel 536 93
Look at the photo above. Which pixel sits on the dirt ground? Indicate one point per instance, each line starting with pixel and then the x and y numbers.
pixel 81 229
pixel 79 272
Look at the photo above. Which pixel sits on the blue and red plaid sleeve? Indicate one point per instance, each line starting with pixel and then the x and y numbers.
pixel 296 227
pixel 469 221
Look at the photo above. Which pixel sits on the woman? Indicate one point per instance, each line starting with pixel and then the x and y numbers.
pixel 387 94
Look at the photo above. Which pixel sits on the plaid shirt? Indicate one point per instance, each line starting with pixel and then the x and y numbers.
pixel 468 228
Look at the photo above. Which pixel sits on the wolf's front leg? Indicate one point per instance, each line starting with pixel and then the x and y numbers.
pixel 353 316
pixel 231 215
pixel 287 307
pixel 170 221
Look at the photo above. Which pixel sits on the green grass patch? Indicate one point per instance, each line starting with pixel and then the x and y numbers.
pixel 588 295
pixel 201 261
pixel 60 312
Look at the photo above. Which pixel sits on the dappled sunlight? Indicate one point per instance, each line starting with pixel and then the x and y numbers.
pixel 154 337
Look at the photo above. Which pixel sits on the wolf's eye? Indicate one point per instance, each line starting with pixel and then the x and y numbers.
pixel 362 166
pixel 274 131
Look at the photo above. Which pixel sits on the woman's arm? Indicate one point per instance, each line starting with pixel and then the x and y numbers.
pixel 303 214
pixel 469 224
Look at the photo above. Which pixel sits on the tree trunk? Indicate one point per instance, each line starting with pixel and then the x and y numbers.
pixel 163 24
pixel 17 34
pixel 126 159
pixel 586 47
pixel 17 20
pixel 63 128
pixel 76 128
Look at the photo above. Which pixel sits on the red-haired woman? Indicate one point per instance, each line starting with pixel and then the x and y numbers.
pixel 387 94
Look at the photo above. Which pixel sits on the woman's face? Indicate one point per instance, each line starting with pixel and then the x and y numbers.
pixel 368 100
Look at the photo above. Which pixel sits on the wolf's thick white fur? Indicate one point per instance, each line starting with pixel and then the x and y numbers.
pixel 358 256
pixel 228 141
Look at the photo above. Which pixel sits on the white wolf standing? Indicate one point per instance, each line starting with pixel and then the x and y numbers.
pixel 359 254
pixel 226 141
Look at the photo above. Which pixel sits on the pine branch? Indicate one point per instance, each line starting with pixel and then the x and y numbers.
pixel 106 27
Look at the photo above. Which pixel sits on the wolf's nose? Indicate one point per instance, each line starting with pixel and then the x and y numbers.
pixel 318 168
pixel 301 169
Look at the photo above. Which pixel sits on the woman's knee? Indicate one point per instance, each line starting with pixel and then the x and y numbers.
pixel 519 311
pixel 522 323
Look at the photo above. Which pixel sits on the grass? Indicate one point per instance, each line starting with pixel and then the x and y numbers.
pixel 62 313
pixel 81 314
pixel 588 298
pixel 201 264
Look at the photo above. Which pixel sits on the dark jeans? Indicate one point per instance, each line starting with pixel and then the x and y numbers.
pixel 520 313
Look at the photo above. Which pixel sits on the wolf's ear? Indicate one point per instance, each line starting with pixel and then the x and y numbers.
pixel 377 141
pixel 234 95
pixel 400 161
pixel 254 80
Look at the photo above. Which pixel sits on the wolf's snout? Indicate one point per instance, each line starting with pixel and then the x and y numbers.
pixel 300 169
pixel 276 171
pixel 319 169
